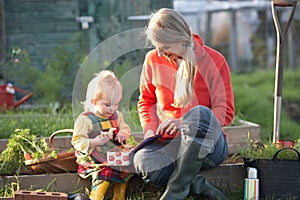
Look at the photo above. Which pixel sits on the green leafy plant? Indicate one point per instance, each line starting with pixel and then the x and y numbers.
pixel 131 141
pixel 259 150
pixel 8 190
pixel 20 143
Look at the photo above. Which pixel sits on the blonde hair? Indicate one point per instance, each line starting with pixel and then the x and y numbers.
pixel 167 27
pixel 104 81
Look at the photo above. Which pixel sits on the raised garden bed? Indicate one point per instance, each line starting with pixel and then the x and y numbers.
pixel 228 176
pixel 238 137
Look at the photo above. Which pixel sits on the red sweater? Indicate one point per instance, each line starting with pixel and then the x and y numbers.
pixel 212 87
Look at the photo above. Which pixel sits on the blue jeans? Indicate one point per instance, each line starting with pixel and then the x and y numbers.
pixel 156 162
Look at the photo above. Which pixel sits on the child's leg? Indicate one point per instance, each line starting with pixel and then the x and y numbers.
pixel 120 191
pixel 98 192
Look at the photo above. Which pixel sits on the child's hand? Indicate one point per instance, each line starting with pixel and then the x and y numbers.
pixel 108 133
pixel 122 137
pixel 99 141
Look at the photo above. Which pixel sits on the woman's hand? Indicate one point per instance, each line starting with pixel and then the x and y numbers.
pixel 170 126
pixel 149 133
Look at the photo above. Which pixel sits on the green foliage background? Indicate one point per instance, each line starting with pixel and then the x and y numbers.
pixel 254 101
pixel 55 83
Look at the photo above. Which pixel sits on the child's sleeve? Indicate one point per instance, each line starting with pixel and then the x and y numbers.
pixel 80 139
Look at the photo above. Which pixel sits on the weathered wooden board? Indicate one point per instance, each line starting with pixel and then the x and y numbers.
pixel 237 137
pixel 240 136
pixel 229 177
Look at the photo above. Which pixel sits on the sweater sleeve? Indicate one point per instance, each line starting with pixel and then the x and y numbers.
pixel 80 140
pixel 222 96
pixel 147 99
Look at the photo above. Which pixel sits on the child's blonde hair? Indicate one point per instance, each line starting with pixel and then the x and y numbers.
pixel 104 81
pixel 168 27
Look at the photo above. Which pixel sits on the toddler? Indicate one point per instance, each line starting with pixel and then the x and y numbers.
pixel 97 130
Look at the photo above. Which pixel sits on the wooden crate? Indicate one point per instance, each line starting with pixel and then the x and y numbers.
pixel 239 136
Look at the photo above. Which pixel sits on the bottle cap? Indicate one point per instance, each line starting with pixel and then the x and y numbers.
pixel 252 172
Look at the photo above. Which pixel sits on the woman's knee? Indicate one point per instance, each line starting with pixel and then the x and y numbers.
pixel 198 116
pixel 155 169
pixel 201 111
pixel 139 161
pixel 149 161
pixel 144 161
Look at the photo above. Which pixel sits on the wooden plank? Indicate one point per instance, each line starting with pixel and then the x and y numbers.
pixel 243 134
pixel 23 17
pixel 42 18
pixel 38 28
pixel 3 143
pixel 42 5
pixel 229 177
pixel 42 27
pixel 239 137
pixel 67 182
pixel 40 38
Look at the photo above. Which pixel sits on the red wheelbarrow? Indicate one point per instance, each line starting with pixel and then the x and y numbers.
pixel 7 97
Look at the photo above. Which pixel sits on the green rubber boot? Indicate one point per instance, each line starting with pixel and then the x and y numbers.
pixel 201 188
pixel 187 168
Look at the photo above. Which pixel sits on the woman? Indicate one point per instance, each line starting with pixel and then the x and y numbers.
pixel 186 96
